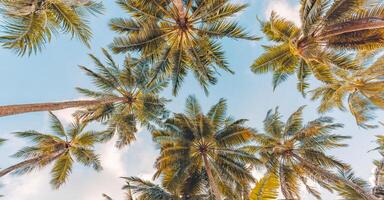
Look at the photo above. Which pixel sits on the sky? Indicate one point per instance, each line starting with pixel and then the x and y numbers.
pixel 53 74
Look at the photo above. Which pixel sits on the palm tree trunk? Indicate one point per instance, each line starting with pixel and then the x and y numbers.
pixel 31 161
pixel 26 108
pixel 330 176
pixel 181 11
pixel 283 184
pixel 17 166
pixel 212 183
pixel 368 23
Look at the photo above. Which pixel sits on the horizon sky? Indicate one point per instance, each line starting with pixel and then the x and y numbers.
pixel 52 75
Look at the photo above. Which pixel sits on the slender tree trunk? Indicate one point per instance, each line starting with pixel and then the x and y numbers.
pixel 181 11
pixel 212 183
pixel 368 23
pixel 26 108
pixel 330 176
pixel 18 166
pixel 283 184
pixel 30 161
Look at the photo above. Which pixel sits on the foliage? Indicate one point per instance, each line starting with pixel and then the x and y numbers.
pixel 140 104
pixel 62 148
pixel 193 144
pixel 329 30
pixel 346 192
pixel 266 188
pixel 282 143
pixel 178 39
pixel 30 24
pixel 363 89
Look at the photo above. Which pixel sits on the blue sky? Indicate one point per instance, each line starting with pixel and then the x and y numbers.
pixel 53 74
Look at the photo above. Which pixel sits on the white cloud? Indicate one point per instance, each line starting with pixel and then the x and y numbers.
pixel 285 9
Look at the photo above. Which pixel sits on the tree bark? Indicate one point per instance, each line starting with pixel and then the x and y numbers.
pixel 330 176
pixel 37 107
pixel 283 184
pixel 181 11
pixel 30 161
pixel 212 183
pixel 17 166
pixel 368 23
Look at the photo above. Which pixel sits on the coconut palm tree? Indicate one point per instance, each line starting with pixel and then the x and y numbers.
pixel 62 148
pixel 314 48
pixel 179 36
pixel 123 98
pixel 296 153
pixel 30 24
pixel 364 89
pixel 211 144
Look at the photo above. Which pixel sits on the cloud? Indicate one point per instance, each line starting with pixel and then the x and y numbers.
pixel 285 9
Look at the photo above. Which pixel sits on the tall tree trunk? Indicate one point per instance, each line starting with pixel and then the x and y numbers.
pixel 368 23
pixel 31 161
pixel 283 184
pixel 212 183
pixel 18 166
pixel 26 108
pixel 330 176
pixel 181 11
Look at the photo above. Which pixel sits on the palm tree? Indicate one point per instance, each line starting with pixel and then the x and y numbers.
pixel 123 99
pixel 364 89
pixel 314 48
pixel 179 35
pixel 30 24
pixel 296 153
pixel 212 144
pixel 62 147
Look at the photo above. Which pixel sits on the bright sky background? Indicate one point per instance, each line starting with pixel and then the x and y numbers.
pixel 53 74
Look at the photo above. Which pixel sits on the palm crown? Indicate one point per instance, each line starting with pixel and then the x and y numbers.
pixel 296 152
pixel 363 87
pixel 328 28
pixel 63 147
pixel 30 24
pixel 133 101
pixel 179 35
pixel 211 144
